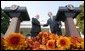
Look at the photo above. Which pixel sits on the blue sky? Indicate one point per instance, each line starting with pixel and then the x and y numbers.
pixel 41 7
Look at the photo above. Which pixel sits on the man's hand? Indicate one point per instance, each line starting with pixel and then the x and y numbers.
pixel 60 26
pixel 41 24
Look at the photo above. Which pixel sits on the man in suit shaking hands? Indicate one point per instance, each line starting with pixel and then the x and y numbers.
pixel 36 27
pixel 54 24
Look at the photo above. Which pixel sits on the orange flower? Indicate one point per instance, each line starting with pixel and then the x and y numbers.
pixel 53 36
pixel 75 42
pixel 60 48
pixel 34 38
pixel 50 44
pixel 15 41
pixel 40 34
pixel 2 43
pixel 36 45
pixel 82 45
pixel 81 39
pixel 44 41
pixel 63 42
pixel 45 34
pixel 42 47
pixel 29 43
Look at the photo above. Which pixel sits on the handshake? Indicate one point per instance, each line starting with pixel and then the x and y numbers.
pixel 42 24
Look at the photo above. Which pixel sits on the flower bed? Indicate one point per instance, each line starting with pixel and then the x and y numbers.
pixel 43 41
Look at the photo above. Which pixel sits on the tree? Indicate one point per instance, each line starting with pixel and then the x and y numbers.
pixel 80 19
pixel 4 22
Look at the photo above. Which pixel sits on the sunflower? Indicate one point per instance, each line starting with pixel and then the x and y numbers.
pixel 15 41
pixel 50 44
pixel 63 42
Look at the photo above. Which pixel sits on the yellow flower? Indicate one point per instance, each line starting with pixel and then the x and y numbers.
pixel 63 42
pixel 15 41
pixel 50 44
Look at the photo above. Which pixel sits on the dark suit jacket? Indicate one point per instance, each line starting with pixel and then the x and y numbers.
pixel 54 25
pixel 35 25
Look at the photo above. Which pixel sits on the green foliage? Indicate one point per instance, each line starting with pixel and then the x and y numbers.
pixel 80 19
pixel 4 22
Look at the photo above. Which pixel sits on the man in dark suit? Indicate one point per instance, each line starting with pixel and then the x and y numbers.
pixel 54 25
pixel 36 28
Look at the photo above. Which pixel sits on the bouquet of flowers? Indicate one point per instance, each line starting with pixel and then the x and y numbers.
pixel 43 41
